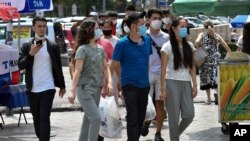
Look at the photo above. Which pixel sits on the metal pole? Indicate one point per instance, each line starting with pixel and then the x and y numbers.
pixel 103 5
pixel 18 35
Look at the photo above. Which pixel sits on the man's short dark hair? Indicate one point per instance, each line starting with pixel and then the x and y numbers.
pixel 165 11
pixel 112 14
pixel 42 19
pixel 130 8
pixel 102 15
pixel 133 18
pixel 153 11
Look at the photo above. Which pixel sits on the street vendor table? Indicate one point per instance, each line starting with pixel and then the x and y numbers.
pixel 234 92
pixel 14 96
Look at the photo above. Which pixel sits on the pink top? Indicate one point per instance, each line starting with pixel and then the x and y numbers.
pixel 107 47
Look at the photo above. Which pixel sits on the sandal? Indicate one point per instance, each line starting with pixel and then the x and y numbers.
pixel 208 102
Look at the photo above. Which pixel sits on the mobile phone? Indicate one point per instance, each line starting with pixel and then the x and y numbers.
pixel 39 42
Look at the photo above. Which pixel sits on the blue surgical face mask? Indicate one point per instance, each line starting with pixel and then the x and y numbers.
pixel 183 32
pixel 98 34
pixel 142 30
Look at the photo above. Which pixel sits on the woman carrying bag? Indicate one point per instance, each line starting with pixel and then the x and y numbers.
pixel 209 40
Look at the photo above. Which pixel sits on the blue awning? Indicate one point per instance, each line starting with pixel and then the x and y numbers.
pixel 240 20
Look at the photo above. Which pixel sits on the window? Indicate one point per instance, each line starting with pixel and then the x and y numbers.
pixel 2 32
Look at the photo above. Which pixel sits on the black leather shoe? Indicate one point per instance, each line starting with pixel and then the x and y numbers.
pixel 144 129
pixel 158 137
pixel 216 98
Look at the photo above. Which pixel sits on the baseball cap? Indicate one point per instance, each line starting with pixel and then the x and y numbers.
pixel 93 14
pixel 134 16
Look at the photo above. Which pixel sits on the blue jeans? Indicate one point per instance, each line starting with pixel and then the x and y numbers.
pixel 136 100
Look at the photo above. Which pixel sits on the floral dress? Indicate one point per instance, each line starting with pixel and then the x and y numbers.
pixel 208 71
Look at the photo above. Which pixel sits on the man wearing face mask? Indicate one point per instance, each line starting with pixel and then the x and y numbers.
pixel 107 32
pixel 112 16
pixel 131 56
pixel 166 19
pixel 43 72
pixel 158 38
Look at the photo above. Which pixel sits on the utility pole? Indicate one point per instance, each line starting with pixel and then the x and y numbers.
pixel 103 6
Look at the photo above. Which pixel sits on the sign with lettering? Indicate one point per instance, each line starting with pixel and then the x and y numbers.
pixel 239 132
pixel 19 4
pixel 4 68
pixel 162 3
pixel 38 4
pixel 234 91
pixel 25 32
pixel 29 6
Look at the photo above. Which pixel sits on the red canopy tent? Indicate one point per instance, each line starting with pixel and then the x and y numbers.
pixel 8 12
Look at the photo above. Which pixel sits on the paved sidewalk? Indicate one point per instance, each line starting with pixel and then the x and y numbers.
pixel 66 124
pixel 62 104
pixel 66 127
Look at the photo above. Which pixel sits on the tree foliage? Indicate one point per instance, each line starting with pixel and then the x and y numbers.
pixel 85 6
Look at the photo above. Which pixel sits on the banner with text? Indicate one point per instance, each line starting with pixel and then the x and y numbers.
pixel 234 82
pixel 38 4
pixel 19 4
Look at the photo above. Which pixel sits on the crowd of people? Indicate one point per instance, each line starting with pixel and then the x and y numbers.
pixel 150 56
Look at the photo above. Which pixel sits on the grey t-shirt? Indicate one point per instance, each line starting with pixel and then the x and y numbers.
pixel 92 71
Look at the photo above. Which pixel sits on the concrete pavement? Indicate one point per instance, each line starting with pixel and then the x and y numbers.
pixel 66 124
pixel 63 104
pixel 66 127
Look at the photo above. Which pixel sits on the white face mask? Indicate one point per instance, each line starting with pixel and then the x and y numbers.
pixel 39 37
pixel 166 20
pixel 156 24
pixel 126 29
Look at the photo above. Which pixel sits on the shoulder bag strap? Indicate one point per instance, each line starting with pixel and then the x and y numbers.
pixel 158 49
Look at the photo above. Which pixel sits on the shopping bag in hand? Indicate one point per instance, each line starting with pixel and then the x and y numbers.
pixel 150 113
pixel 111 123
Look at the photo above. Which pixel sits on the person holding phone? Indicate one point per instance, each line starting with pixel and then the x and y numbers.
pixel 43 72
pixel 38 42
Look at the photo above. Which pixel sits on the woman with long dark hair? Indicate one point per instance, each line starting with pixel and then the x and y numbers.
pixel 177 66
pixel 90 65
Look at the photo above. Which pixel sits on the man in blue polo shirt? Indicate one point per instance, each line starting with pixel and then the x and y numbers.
pixel 131 63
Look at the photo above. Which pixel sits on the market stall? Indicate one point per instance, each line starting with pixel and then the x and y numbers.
pixel 234 90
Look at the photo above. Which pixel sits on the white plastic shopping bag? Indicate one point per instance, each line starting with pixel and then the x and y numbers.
pixel 150 113
pixel 111 123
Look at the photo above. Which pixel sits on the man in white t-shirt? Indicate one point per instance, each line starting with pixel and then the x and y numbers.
pixel 234 36
pixel 239 43
pixel 41 61
pixel 158 38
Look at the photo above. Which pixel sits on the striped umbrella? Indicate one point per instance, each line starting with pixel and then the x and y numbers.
pixel 240 20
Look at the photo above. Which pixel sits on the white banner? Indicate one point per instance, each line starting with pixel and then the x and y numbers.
pixel 19 4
